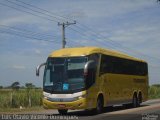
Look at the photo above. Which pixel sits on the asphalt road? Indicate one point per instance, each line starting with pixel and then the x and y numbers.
pixel 149 110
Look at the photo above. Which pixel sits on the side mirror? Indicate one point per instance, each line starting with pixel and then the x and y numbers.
pixel 89 64
pixel 38 68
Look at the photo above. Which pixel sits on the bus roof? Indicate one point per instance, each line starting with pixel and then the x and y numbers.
pixel 83 51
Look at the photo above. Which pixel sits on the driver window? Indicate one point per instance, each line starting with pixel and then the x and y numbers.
pixel 91 77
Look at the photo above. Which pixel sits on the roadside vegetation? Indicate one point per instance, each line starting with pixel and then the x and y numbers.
pixel 154 91
pixel 25 97
pixel 20 98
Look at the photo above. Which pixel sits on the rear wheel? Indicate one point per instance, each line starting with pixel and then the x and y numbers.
pixel 135 101
pixel 139 99
pixel 62 111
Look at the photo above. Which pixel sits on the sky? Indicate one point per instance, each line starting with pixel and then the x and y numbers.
pixel 29 32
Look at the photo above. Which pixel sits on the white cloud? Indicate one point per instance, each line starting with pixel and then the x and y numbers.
pixel 15 20
pixel 37 51
pixel 104 8
pixel 20 67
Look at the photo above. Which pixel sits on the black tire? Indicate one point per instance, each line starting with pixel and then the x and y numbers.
pixel 99 106
pixel 135 101
pixel 63 111
pixel 139 101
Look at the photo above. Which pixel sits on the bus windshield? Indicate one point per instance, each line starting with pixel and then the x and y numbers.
pixel 64 74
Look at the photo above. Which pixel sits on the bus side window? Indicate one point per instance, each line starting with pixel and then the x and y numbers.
pixel 106 65
pixel 102 65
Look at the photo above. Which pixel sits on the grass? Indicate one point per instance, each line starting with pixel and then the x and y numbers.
pixel 154 92
pixel 23 97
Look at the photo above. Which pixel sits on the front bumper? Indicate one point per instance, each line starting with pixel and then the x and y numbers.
pixel 77 104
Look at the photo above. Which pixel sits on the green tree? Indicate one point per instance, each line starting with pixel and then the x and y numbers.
pixel 1 87
pixel 156 85
pixel 29 85
pixel 15 85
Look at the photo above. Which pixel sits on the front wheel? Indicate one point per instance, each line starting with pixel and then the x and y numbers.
pixel 62 111
pixel 99 106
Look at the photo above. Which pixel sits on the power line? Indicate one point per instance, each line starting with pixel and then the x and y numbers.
pixel 63 25
pixel 20 10
pixel 54 15
pixel 33 6
pixel 120 45
pixel 73 44
pixel 25 36
pixel 34 10
pixel 113 43
pixel 72 29
pixel 86 36
pixel 27 12
pixel 27 31
pixel 29 37
pixel 95 34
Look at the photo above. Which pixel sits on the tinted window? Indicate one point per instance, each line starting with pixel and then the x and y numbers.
pixel 110 64
pixel 91 77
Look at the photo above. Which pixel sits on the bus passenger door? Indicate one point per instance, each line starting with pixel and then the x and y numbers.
pixel 91 79
pixel 105 81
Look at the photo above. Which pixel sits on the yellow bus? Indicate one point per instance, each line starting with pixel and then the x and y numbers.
pixel 92 78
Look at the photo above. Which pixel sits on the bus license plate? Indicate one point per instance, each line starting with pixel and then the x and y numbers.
pixel 62 105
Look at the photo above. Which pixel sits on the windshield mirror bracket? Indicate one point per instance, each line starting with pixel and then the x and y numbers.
pixel 38 68
pixel 87 66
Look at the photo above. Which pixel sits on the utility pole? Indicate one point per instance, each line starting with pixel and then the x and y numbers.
pixel 64 25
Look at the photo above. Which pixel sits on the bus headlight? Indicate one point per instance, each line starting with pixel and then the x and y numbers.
pixel 45 96
pixel 82 96
pixel 63 99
